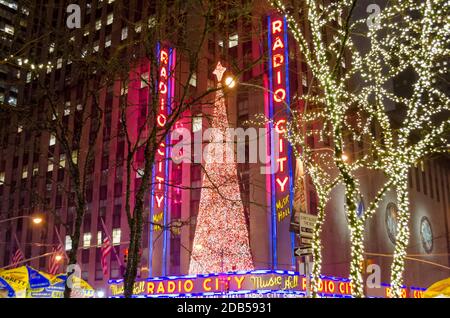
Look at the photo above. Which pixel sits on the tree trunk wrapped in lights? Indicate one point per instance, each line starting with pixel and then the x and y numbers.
pixel 221 242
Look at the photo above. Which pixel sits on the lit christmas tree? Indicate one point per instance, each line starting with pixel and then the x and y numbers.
pixel 221 242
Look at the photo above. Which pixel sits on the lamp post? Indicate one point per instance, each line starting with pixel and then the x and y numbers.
pixel 35 219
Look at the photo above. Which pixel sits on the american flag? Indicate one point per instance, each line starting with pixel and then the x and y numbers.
pixel 53 266
pixel 106 250
pixel 17 258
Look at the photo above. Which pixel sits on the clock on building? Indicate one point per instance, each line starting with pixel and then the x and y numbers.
pixel 426 234
pixel 391 221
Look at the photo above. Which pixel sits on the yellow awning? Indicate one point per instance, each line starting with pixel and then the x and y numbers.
pixel 440 289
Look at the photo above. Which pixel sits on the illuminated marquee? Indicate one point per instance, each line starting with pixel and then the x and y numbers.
pixel 251 282
pixel 281 182
pixel 159 206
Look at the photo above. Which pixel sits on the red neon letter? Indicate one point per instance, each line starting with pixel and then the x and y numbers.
pixel 276 26
pixel 280 95
pixel 163 72
pixel 281 129
pixel 282 184
pixel 281 161
pixel 160 181
pixel 159 200
pixel 162 120
pixel 278 44
pixel 277 59
pixel 162 146
pixel 164 57
pixel 162 88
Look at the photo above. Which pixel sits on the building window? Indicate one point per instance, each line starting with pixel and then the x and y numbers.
pixel 75 156
pixel 197 123
pixel 233 41
pixel 87 240
pixel 436 173
pixel 98 265
pixel 116 236
pixel 62 161
pixel 10 4
pixel 124 90
pixel 108 41
pixel 416 170
pixel 12 100
pixel 430 177
pixel 24 173
pixel 243 107
pixel 110 19
pixel 9 29
pixel 124 33
pixel 68 243
pixel 138 28
pixel 98 25
pixel 145 79
pixel 151 22
pixel 85 256
pixel 193 80
pixel 304 80
pixel 424 177
pixel 50 164
pixel 99 238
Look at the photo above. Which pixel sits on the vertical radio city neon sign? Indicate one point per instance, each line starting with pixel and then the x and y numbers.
pixel 281 179
pixel 159 208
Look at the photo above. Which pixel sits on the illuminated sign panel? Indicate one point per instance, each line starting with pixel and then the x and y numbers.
pixel 281 180
pixel 159 207
pixel 254 282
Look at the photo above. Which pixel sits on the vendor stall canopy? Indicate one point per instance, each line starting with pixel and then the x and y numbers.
pixel 27 282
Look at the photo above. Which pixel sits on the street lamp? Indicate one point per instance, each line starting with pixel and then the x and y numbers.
pixel 230 82
pixel 35 219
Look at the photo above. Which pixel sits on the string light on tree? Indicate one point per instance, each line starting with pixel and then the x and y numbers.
pixel 397 44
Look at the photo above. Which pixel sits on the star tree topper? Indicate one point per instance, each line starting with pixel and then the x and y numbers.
pixel 219 71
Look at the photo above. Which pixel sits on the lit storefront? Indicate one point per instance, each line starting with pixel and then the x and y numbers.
pixel 246 284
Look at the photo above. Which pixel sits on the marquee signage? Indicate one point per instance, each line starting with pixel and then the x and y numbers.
pixel 259 281
pixel 159 207
pixel 281 179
